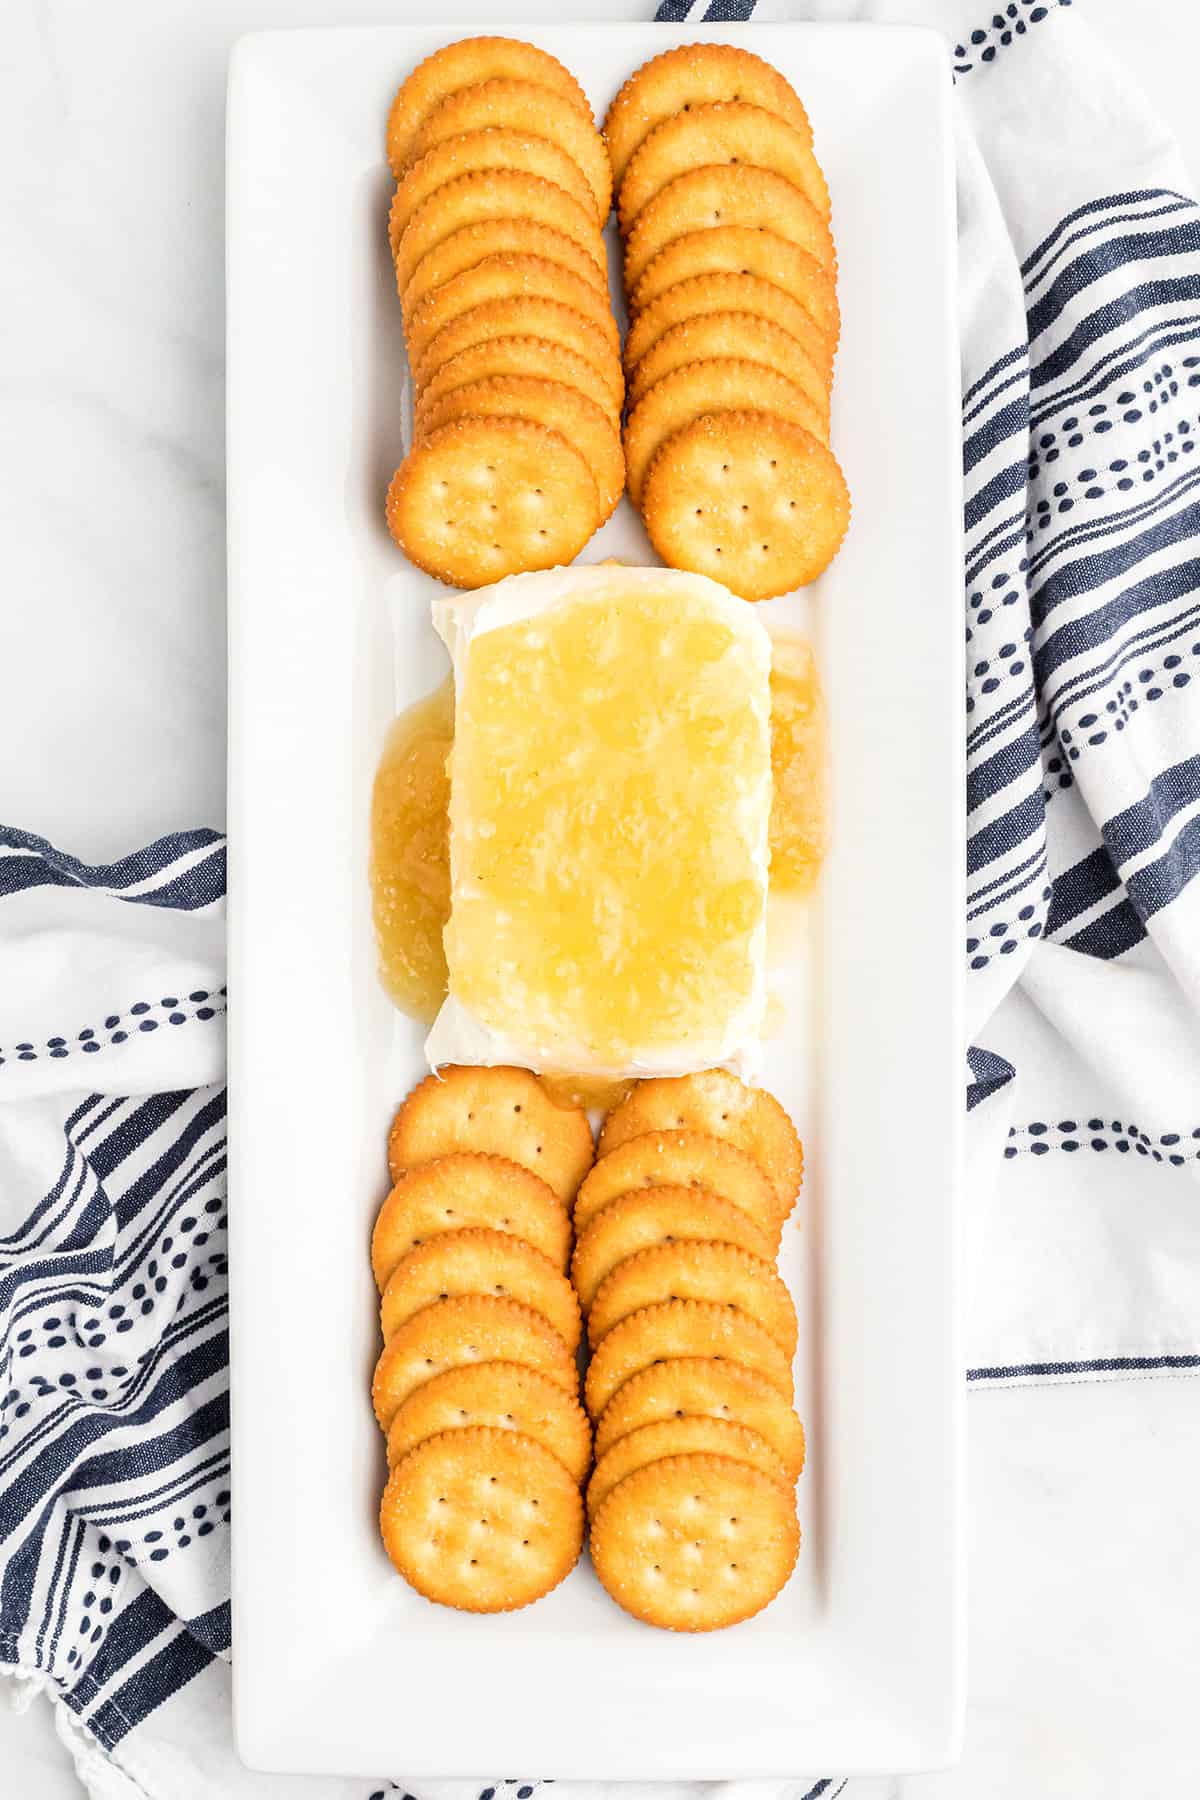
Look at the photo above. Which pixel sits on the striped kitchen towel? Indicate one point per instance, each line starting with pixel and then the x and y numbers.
pixel 1080 269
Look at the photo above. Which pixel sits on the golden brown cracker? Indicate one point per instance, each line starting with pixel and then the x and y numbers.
pixel 744 335
pixel 479 1261
pixel 529 107
pixel 730 194
pixel 689 76
pixel 483 151
pixel 485 498
pixel 695 1271
pixel 465 1190
pixel 680 1159
pixel 715 386
pixel 581 420
pixel 463 249
pixel 522 356
pixel 681 1437
pixel 726 131
pixel 728 292
pixel 682 1328
pixel 465 64
pixel 716 1102
pixel 506 1396
pixel 751 498
pixel 501 277
pixel 659 1215
pixel 472 1329
pixel 706 1387
pixel 695 1543
pixel 494 194
pixel 481 1520
pixel 498 1111
pixel 744 250
pixel 527 316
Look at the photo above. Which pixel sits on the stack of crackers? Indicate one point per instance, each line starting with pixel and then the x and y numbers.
pixel 730 276
pixel 503 189
pixel 477 1385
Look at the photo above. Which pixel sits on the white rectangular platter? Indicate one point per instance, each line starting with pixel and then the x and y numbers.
pixel 339 1666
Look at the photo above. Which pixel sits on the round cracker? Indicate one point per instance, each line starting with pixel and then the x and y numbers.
pixel 497 237
pixel 499 1111
pixel 486 151
pixel 530 107
pixel 495 194
pixel 465 64
pixel 474 1328
pixel 522 356
pixel 727 131
pixel 705 1387
pixel 744 250
pixel 580 420
pixel 744 335
pixel 482 1520
pixel 462 1191
pixel 683 1328
pixel 527 316
pixel 694 75
pixel 694 1543
pixel 751 498
pixel 508 1397
pixel 479 1261
pixel 485 498
pixel 716 1102
pixel 729 194
pixel 695 1271
pixel 718 385
pixel 729 292
pixel 659 1215
pixel 500 277
pixel 680 1159
pixel 681 1437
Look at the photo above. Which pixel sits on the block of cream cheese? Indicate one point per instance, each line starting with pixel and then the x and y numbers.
pixel 609 804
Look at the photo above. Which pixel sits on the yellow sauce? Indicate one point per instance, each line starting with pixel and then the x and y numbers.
pixel 799 830
pixel 592 1092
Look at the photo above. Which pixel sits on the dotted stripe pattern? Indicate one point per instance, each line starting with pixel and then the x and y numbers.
pixel 984 44
pixel 143 1016
pixel 1039 1138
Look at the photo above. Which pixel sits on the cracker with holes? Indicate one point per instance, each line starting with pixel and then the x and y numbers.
pixel 494 194
pixel 731 194
pixel 524 106
pixel 720 385
pixel 553 403
pixel 742 335
pixel 659 1215
pixel 691 1159
pixel 463 1191
pixel 682 1328
pixel 479 1261
pixel 484 498
pixel 754 499
pixel 704 1387
pixel 694 1543
pixel 695 1271
pixel 529 357
pixel 727 131
pixel 503 1395
pixel 473 244
pixel 744 250
pixel 482 1520
pixel 472 1329
pixel 681 1437
pixel 504 277
pixel 716 1102
pixel 478 152
pixel 498 1112
pixel 695 75
pixel 731 291
pixel 465 64
pixel 527 315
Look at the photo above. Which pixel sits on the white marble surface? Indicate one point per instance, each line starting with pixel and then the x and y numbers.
pixel 1085 1577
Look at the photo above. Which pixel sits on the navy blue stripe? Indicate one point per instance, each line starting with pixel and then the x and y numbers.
pixel 1142 824
pixel 145 1119
pixel 141 865
pixel 1019 376
pixel 1010 874
pixel 1106 372
pixel 1018 887
pixel 142 1191
pixel 1158 883
pixel 1005 766
pixel 19 873
pixel 1167 292
pixel 997 720
pixel 1086 573
pixel 990 1072
pixel 729 12
pixel 1006 833
pixel 1111 935
pixel 1090 531
pixel 157 1679
pixel 1101 260
pixel 1011 421
pixel 1016 354
pixel 1090 231
pixel 1093 206
pixel 672 11
pixel 214 1628
pixel 135 1626
pixel 1001 487
pixel 1080 887
pixel 1098 677
pixel 1099 1365
pixel 199 886
pixel 1098 627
